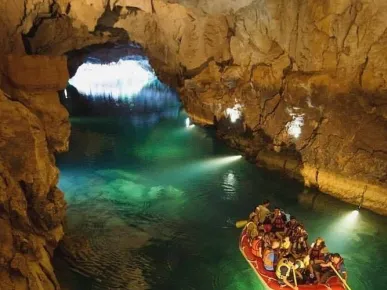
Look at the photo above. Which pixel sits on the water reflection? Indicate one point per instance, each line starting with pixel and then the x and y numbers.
pixel 229 185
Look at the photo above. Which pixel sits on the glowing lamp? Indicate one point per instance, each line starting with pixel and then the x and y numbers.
pixel 65 93
pixel 294 127
pixel 234 113
pixel 187 122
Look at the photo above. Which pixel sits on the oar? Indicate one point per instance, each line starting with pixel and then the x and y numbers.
pixel 241 224
pixel 341 278
pixel 295 276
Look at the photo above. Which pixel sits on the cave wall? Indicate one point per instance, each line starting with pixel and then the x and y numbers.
pixel 320 63
pixel 33 127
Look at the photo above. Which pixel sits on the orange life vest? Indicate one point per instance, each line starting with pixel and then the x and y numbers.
pixel 316 252
pixel 256 246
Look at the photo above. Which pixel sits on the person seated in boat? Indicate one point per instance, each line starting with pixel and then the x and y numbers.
pixel 285 247
pixel 317 253
pixel 270 256
pixel 262 211
pixel 266 240
pixel 257 245
pixel 278 222
pixel 335 261
pixel 291 228
pixel 299 248
pixel 299 232
pixel 284 272
pixel 319 270
pixel 252 228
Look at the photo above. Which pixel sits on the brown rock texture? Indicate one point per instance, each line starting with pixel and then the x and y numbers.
pixel 33 126
pixel 308 78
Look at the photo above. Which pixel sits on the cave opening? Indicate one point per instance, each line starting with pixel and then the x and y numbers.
pixel 116 79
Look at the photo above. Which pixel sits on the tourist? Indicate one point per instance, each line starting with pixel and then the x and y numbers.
pixel 267 240
pixel 300 248
pixel 291 228
pixel 252 228
pixel 270 256
pixel 300 232
pixel 337 262
pixel 278 221
pixel 317 253
pixel 285 247
pixel 262 211
pixel 284 271
pixel 257 245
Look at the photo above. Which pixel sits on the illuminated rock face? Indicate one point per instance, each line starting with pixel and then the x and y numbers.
pixel 33 126
pixel 298 85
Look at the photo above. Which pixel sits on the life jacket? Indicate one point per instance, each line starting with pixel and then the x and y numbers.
pixel 267 262
pixel 255 247
pixel 291 229
pixel 300 247
pixel 316 252
pixel 282 263
pixel 338 265
pixel 252 230
pixel 279 222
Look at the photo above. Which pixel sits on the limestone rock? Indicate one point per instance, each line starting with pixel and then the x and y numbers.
pixel 50 73
pixel 33 126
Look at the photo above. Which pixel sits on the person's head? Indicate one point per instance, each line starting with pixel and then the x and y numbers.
pixel 293 219
pixel 266 203
pixel 290 259
pixel 301 239
pixel 266 235
pixel 319 241
pixel 261 234
pixel 255 218
pixel 277 211
pixel 335 258
pixel 275 244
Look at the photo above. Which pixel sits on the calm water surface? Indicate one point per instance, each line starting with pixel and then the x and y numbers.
pixel 157 202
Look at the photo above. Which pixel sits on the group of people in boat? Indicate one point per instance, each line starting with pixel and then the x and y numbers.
pixel 282 244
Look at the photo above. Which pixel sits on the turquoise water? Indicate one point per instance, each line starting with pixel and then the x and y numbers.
pixel 152 205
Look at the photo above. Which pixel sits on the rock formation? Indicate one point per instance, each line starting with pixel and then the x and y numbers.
pixel 305 83
pixel 33 126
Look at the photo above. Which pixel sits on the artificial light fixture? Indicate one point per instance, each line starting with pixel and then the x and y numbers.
pixel 234 113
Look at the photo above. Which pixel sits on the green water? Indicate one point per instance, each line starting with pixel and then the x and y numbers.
pixel 157 202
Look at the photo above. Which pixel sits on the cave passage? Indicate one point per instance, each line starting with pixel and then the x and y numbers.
pixel 152 201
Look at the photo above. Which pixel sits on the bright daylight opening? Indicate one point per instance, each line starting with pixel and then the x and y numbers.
pixel 124 78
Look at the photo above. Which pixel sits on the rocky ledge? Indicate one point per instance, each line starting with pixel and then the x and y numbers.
pixel 33 126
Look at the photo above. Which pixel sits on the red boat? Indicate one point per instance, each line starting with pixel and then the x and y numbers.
pixel 269 279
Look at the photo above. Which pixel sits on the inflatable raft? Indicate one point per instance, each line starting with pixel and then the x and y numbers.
pixel 269 279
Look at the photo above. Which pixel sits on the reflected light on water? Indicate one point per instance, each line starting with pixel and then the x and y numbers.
pixel 124 78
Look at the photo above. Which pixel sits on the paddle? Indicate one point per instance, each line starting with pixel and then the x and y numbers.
pixel 241 224
pixel 341 278
pixel 294 276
